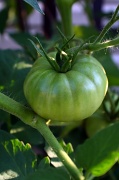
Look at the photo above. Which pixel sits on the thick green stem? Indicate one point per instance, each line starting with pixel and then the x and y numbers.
pixel 64 7
pixel 63 156
pixel 32 119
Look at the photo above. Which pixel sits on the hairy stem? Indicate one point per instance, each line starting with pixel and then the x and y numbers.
pixel 32 119
pixel 108 26
pixel 95 47
pixel 103 45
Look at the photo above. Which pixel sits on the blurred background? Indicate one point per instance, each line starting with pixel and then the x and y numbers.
pixel 16 16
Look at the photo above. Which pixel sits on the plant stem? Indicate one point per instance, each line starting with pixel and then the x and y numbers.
pixel 99 46
pixel 63 156
pixel 96 47
pixel 29 117
pixel 64 7
pixel 108 26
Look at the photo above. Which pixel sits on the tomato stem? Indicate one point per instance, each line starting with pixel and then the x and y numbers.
pixel 63 60
pixel 103 45
pixel 97 44
pixel 108 26
pixel 30 118
pixel 95 47
pixel 64 7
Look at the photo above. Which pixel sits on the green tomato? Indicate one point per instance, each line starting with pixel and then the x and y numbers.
pixel 95 123
pixel 66 97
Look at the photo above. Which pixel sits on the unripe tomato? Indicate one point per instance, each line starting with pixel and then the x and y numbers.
pixel 66 97
pixel 95 123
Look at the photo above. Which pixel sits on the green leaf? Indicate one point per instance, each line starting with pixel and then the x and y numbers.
pixel 22 39
pixel 14 66
pixel 67 147
pixel 16 159
pixel 26 133
pixel 99 153
pixel 35 5
pixel 49 174
pixel 44 163
pixel 55 161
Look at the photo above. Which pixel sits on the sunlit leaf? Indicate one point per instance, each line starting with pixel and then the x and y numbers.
pixel 16 159
pixel 99 153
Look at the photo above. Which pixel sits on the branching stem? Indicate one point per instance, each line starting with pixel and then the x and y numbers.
pixel 103 45
pixel 108 26
pixel 35 121
pixel 95 47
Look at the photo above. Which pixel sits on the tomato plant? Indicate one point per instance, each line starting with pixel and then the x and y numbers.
pixel 61 96
pixel 66 86
pixel 107 114
pixel 96 123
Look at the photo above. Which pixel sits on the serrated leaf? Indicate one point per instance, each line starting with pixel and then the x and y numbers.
pixel 55 161
pixel 16 159
pixel 67 147
pixel 34 4
pixel 99 153
pixel 44 163
pixel 21 38
pixel 49 174
pixel 53 157
pixel 14 66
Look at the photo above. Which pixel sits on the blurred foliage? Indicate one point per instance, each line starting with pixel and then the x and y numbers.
pixel 14 67
pixel 3 19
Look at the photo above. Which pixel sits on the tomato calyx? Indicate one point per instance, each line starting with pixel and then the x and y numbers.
pixel 63 60
pixel 65 57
